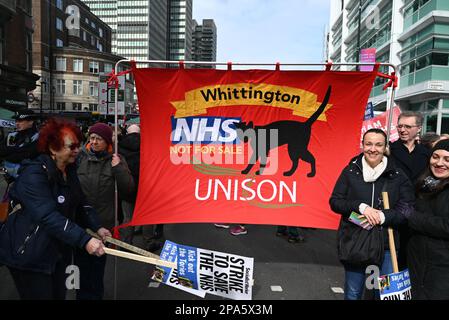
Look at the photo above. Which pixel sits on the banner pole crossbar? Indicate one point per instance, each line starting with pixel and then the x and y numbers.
pixel 326 65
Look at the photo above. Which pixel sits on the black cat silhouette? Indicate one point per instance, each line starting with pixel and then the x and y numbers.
pixel 293 133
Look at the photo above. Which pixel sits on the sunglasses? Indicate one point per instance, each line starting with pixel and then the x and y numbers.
pixel 73 146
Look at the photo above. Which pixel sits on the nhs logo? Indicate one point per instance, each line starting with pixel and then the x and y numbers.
pixel 204 130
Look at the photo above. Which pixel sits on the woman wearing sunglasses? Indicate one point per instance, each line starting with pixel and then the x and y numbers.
pixel 37 240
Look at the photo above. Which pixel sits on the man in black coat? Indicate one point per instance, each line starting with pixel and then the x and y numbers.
pixel 407 153
pixel 412 158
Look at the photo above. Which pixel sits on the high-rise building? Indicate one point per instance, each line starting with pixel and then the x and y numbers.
pixel 16 63
pixel 180 30
pixel 139 28
pixel 411 34
pixel 204 42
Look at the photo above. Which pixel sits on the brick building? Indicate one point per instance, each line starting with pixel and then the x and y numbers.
pixel 16 77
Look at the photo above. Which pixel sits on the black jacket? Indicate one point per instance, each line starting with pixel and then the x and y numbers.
pixel 129 147
pixel 428 248
pixel 412 163
pixel 19 145
pixel 351 190
pixel 40 234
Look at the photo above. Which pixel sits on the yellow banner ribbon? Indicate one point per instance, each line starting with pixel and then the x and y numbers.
pixel 302 103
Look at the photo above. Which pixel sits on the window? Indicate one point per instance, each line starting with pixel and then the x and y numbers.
pixel 46 62
pixel 93 107
pixel 107 67
pixel 440 59
pixel 100 47
pixel 93 89
pixel 60 86
pixel 61 64
pixel 60 105
pixel 87 20
pixel 78 87
pixel 77 65
pixel 100 32
pixel 58 24
pixel 84 35
pixel 94 67
pixel 76 106
pixel 423 62
pixel 92 24
pixel 92 40
pixel 59 43
pixel 59 4
pixel 44 85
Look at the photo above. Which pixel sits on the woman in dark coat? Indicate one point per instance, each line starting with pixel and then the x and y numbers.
pixel 358 190
pixel 428 248
pixel 36 242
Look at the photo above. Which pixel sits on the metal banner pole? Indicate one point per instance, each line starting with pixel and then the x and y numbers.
pixel 390 110
pixel 219 64
pixel 116 187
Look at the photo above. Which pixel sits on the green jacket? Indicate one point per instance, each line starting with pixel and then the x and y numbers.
pixel 97 178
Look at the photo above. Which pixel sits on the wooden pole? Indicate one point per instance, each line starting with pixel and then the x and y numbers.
pixel 125 245
pixel 137 257
pixel 394 259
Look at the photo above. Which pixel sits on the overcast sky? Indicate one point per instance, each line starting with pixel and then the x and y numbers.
pixel 286 31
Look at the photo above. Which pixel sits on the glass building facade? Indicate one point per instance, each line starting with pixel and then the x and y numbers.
pixel 181 30
pixel 139 26
pixel 411 34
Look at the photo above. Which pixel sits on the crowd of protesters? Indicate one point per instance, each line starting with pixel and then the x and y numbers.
pixel 62 182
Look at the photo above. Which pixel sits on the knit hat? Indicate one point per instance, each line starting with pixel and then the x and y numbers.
pixel 442 144
pixel 103 130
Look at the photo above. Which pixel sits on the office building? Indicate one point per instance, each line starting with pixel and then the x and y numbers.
pixel 204 42
pixel 69 56
pixel 411 34
pixel 180 30
pixel 139 27
pixel 16 56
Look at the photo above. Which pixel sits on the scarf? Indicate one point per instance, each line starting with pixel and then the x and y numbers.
pixel 99 154
pixel 371 174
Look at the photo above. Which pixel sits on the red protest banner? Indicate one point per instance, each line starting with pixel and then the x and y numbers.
pixel 381 122
pixel 206 135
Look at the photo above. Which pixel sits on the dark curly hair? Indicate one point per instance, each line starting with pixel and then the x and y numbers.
pixel 376 130
pixel 52 134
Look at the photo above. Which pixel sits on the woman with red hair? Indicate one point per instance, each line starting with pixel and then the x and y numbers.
pixel 37 240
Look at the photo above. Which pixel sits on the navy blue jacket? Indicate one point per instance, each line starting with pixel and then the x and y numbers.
pixel 44 231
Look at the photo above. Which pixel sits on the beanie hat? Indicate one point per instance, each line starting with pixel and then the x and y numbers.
pixel 441 145
pixel 103 130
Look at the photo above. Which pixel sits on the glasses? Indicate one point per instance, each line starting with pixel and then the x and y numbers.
pixel 405 126
pixel 73 146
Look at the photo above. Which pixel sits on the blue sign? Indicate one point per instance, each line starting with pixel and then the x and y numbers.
pixel 369 111
pixel 395 286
